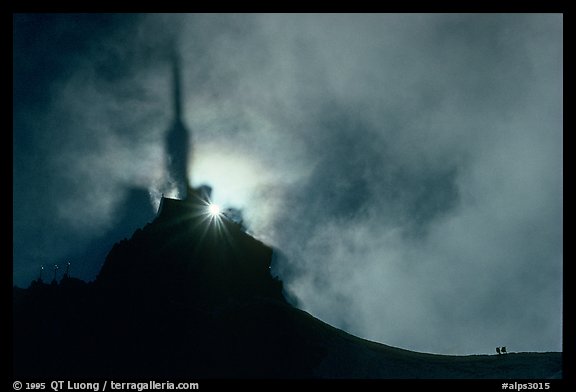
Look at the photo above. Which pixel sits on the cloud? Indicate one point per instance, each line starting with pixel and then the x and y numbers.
pixel 408 167
pixel 443 153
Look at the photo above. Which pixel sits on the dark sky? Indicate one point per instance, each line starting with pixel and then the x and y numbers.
pixel 407 167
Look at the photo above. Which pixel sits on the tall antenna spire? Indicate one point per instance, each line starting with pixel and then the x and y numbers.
pixel 176 85
pixel 178 146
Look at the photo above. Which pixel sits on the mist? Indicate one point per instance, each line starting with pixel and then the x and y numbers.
pixel 406 167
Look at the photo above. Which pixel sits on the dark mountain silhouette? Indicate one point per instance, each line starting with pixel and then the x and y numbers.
pixel 189 295
pixel 134 212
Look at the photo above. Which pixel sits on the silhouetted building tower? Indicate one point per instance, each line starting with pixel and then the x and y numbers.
pixel 178 138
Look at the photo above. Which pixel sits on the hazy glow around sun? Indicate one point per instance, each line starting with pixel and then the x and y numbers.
pixel 234 177
pixel 240 179
pixel 214 209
